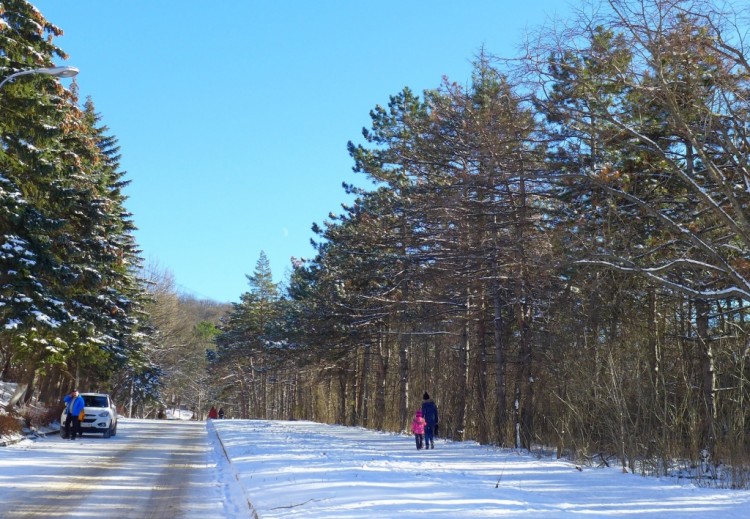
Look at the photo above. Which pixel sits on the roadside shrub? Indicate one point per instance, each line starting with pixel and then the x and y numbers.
pixel 9 425
pixel 41 416
pixel 52 414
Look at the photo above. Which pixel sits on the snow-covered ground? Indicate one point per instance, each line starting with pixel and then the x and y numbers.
pixel 309 470
pixel 178 414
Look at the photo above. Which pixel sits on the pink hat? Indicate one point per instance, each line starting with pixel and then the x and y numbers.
pixel 419 413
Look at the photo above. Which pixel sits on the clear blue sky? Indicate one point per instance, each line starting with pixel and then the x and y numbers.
pixel 233 116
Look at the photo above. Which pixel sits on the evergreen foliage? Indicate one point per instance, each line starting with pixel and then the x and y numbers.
pixel 250 344
pixel 557 252
pixel 71 305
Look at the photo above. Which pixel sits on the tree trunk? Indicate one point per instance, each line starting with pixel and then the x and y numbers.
pixel 463 385
pixel 708 434
pixel 481 379
pixel 343 397
pixel 7 356
pixel 405 415
pixel 501 395
pixel 365 395
pixel 29 381
pixel 524 382
pixel 243 394
pixel 384 355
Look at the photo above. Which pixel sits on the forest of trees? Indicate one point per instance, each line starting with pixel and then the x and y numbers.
pixel 557 251
pixel 77 307
pixel 71 307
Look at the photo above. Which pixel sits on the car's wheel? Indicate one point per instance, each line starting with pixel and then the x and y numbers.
pixel 114 430
pixel 108 432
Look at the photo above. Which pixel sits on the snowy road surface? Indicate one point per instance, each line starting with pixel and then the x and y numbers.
pixel 305 470
pixel 151 469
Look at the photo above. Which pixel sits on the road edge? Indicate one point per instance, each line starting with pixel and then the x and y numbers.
pixel 212 431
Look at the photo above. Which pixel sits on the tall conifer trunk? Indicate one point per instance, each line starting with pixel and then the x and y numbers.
pixel 403 353
pixel 501 411
pixel 708 373
pixel 481 379
pixel 364 408
pixel 463 384
pixel 384 355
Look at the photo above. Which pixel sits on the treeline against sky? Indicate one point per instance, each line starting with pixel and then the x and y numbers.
pixel 556 251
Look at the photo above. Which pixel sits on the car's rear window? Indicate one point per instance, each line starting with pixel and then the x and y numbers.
pixel 95 401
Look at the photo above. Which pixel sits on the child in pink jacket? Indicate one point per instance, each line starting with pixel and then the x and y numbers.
pixel 417 427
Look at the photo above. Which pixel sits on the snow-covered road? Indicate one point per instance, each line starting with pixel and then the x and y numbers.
pixel 151 469
pixel 297 469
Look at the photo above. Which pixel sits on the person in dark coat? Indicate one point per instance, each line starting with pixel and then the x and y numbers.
pixel 221 413
pixel 430 414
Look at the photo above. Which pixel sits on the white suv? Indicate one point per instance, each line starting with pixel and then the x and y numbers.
pixel 101 414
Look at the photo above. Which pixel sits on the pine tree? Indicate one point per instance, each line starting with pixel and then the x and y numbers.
pixel 249 344
pixel 34 111
pixel 107 294
pixel 656 102
pixel 74 300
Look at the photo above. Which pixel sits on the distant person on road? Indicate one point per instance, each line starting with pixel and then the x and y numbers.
pixel 221 413
pixel 430 413
pixel 417 427
pixel 74 407
pixel 212 414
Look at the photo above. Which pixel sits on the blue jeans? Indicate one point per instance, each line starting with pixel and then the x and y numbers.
pixel 429 436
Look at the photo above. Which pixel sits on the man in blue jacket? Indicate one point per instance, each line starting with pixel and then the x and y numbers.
pixel 430 414
pixel 74 405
